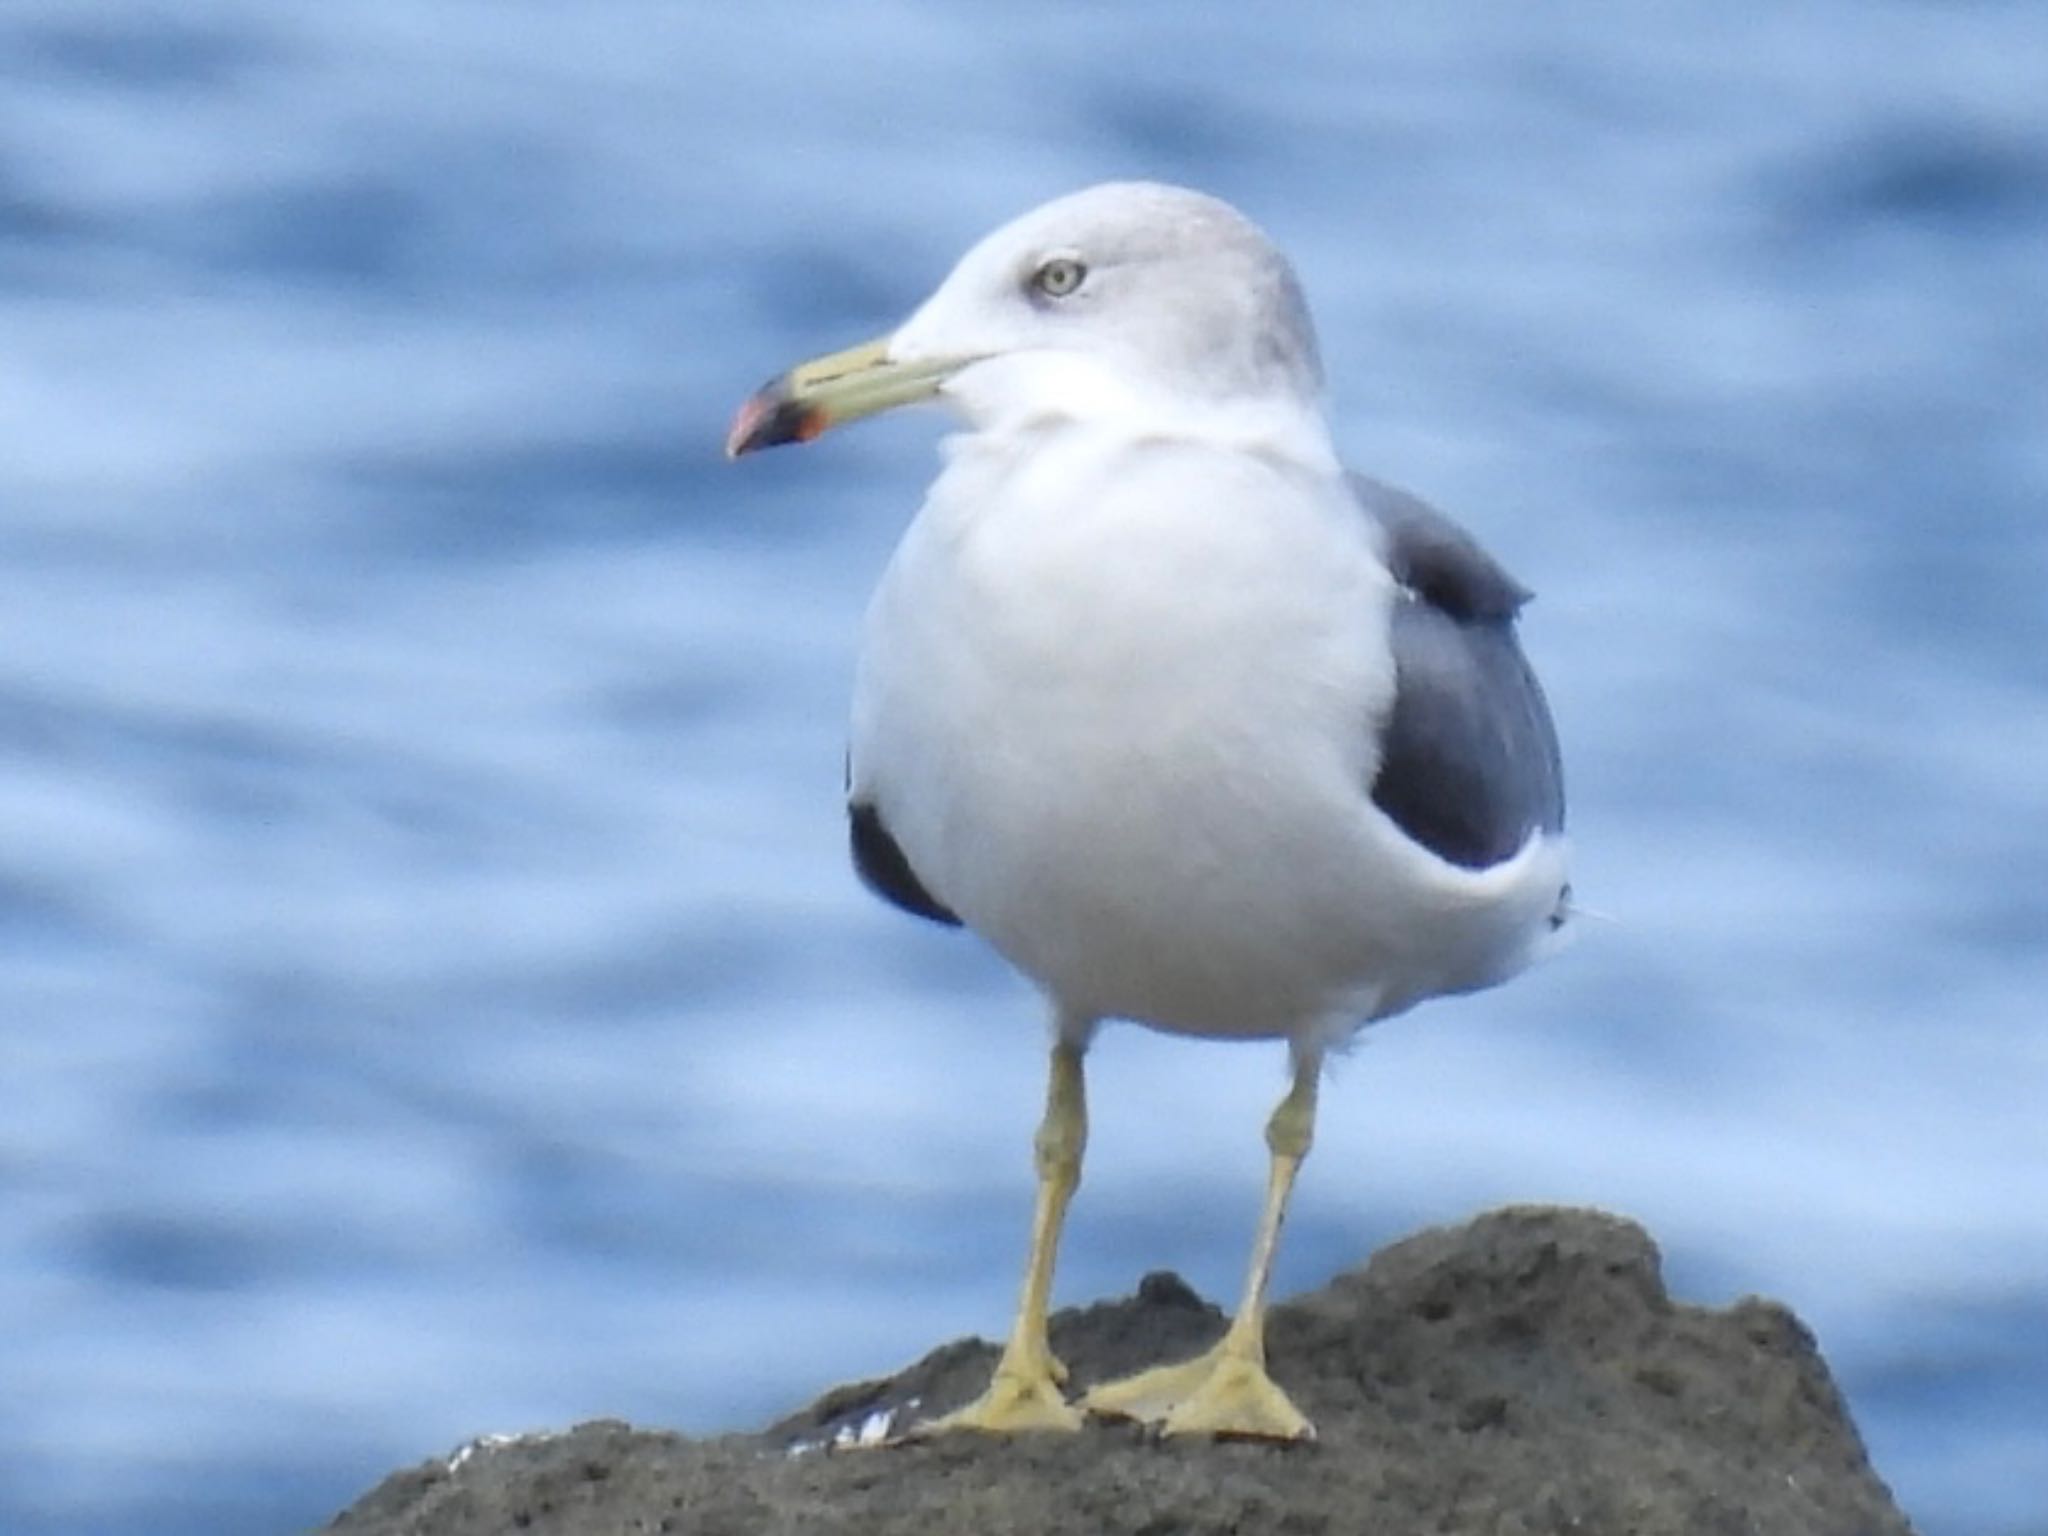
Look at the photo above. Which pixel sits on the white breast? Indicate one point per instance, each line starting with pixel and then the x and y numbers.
pixel 1123 724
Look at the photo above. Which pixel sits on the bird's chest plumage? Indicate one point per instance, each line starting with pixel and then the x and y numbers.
pixel 1098 710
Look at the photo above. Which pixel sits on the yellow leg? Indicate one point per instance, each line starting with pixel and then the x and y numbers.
pixel 1025 1391
pixel 1227 1390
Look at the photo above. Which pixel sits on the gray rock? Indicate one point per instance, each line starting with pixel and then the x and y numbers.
pixel 1523 1373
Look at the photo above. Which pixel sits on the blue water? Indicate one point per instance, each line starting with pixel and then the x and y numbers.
pixel 432 997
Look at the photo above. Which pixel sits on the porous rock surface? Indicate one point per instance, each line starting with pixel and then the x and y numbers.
pixel 1523 1373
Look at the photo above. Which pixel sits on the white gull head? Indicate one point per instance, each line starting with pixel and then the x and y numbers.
pixel 1127 291
pixel 1149 306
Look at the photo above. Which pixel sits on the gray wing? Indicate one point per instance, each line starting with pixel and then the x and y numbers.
pixel 1469 763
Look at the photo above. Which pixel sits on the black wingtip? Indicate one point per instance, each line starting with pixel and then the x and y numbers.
pixel 884 868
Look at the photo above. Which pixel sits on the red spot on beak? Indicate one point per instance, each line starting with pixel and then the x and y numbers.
pixel 770 418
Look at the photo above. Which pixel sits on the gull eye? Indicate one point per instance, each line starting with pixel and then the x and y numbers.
pixel 1058 276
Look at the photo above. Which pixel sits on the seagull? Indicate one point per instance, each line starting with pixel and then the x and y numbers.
pixel 1193 726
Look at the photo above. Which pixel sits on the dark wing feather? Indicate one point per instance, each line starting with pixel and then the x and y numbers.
pixel 1469 764
pixel 884 869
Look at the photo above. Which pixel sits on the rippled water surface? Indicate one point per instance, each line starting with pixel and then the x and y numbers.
pixel 432 997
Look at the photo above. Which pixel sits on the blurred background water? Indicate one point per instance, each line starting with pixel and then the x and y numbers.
pixel 432 996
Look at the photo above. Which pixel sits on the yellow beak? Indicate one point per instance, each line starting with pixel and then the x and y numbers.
pixel 826 391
